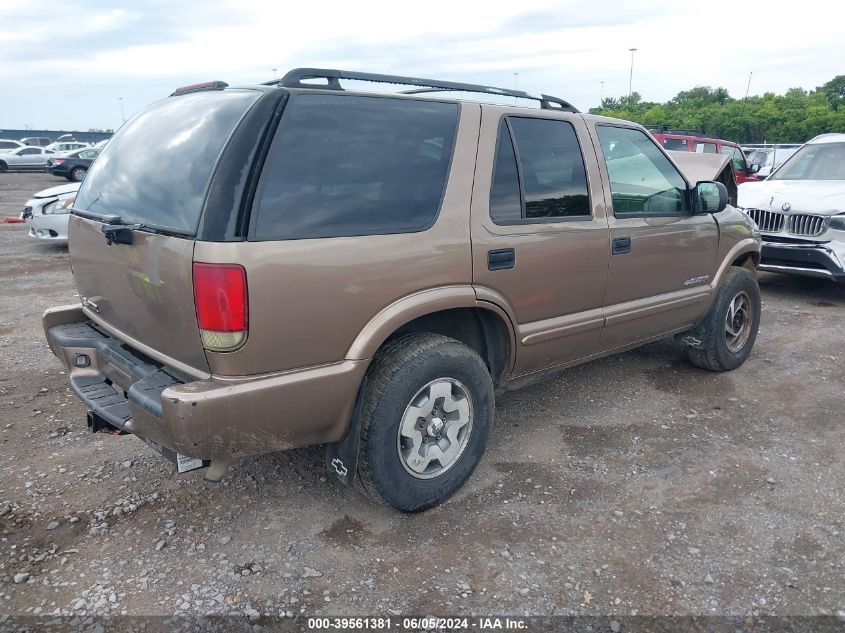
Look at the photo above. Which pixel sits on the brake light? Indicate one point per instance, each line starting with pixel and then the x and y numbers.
pixel 222 304
pixel 205 85
pixel 57 161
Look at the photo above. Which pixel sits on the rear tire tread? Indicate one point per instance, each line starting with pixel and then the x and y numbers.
pixel 393 355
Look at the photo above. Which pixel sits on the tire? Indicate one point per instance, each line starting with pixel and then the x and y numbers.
pixel 3 167
pixel 407 376
pixel 78 173
pixel 717 344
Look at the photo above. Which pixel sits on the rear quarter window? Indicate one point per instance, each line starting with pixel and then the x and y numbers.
pixel 343 165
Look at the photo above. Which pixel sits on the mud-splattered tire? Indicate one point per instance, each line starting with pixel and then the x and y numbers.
pixel 724 337
pixel 427 411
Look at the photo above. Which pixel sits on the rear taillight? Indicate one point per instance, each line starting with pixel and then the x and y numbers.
pixel 222 303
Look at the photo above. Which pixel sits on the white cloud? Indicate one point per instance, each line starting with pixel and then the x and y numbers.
pixel 84 58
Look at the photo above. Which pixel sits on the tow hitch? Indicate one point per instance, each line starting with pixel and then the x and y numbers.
pixel 97 424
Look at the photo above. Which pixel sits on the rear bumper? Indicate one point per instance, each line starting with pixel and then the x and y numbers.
pixel 208 419
pixel 812 260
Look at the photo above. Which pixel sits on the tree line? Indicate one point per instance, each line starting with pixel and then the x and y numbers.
pixel 793 117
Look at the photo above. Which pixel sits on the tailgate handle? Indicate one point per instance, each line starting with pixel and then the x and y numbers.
pixel 501 259
pixel 621 245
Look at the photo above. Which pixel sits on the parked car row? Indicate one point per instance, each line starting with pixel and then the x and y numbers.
pixel 64 143
pixel 70 160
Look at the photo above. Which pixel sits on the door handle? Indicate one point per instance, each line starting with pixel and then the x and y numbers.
pixel 501 259
pixel 621 245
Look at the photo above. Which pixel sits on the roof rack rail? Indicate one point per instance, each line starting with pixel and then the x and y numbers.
pixel 665 129
pixel 296 77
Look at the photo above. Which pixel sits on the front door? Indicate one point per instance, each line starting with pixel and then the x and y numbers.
pixel 662 255
pixel 540 244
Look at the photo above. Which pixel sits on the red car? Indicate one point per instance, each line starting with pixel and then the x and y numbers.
pixel 691 141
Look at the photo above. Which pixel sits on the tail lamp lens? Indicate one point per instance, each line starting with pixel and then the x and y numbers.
pixel 222 303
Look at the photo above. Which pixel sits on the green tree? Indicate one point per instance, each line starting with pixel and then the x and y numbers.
pixel 793 117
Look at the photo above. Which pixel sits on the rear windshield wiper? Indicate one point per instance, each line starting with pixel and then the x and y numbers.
pixel 119 231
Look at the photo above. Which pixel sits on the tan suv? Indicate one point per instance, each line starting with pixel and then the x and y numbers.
pixel 263 268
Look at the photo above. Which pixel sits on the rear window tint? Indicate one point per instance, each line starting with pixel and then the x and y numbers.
pixel 157 167
pixel 344 165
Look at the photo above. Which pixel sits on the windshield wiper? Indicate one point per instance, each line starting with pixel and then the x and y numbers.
pixel 119 231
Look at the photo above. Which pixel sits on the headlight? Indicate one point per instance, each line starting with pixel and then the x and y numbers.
pixel 60 206
pixel 838 222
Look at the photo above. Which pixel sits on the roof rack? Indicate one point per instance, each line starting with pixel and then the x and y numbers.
pixel 665 129
pixel 295 79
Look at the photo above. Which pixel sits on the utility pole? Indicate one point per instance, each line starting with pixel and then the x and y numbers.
pixel 748 87
pixel 631 75
pixel 122 116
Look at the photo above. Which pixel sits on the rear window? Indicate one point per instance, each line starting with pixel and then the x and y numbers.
pixel 157 167
pixel 343 165
pixel 676 144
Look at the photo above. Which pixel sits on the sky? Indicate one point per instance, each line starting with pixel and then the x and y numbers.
pixel 75 65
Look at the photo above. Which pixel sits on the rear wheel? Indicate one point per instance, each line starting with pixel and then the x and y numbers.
pixel 426 415
pixel 725 336
pixel 78 174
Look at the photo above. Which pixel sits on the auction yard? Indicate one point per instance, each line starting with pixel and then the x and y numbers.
pixel 637 484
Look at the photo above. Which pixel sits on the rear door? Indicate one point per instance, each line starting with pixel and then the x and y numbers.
pixel 155 171
pixel 540 242
pixel 661 253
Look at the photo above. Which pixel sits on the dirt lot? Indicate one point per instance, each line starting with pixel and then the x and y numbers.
pixel 636 484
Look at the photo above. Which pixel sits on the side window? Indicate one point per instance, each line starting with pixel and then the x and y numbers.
pixel 344 165
pixel 539 172
pixel 706 148
pixel 29 152
pixel 642 180
pixel 737 157
pixel 505 198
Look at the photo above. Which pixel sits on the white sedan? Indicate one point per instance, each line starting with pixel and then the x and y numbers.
pixel 47 213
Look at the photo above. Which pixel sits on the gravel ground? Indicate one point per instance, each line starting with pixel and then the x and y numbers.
pixel 632 485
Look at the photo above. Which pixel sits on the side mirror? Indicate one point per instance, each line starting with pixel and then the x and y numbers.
pixel 709 197
pixel 753 168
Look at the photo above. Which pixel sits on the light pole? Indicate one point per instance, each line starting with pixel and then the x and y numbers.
pixel 515 84
pixel 601 94
pixel 631 75
pixel 275 70
pixel 122 116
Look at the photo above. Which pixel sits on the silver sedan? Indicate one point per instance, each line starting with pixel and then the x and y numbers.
pixel 25 159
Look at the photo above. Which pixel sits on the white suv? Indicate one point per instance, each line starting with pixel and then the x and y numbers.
pixel 800 210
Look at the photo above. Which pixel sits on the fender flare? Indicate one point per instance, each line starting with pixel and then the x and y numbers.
pixel 747 245
pixel 405 310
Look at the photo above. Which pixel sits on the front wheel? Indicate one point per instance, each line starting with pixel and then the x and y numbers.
pixel 723 339
pixel 427 411
pixel 3 167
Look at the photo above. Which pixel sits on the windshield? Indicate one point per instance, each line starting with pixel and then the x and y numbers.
pixel 157 167
pixel 818 161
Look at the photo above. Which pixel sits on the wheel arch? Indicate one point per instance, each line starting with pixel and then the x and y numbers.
pixel 452 311
pixel 742 253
